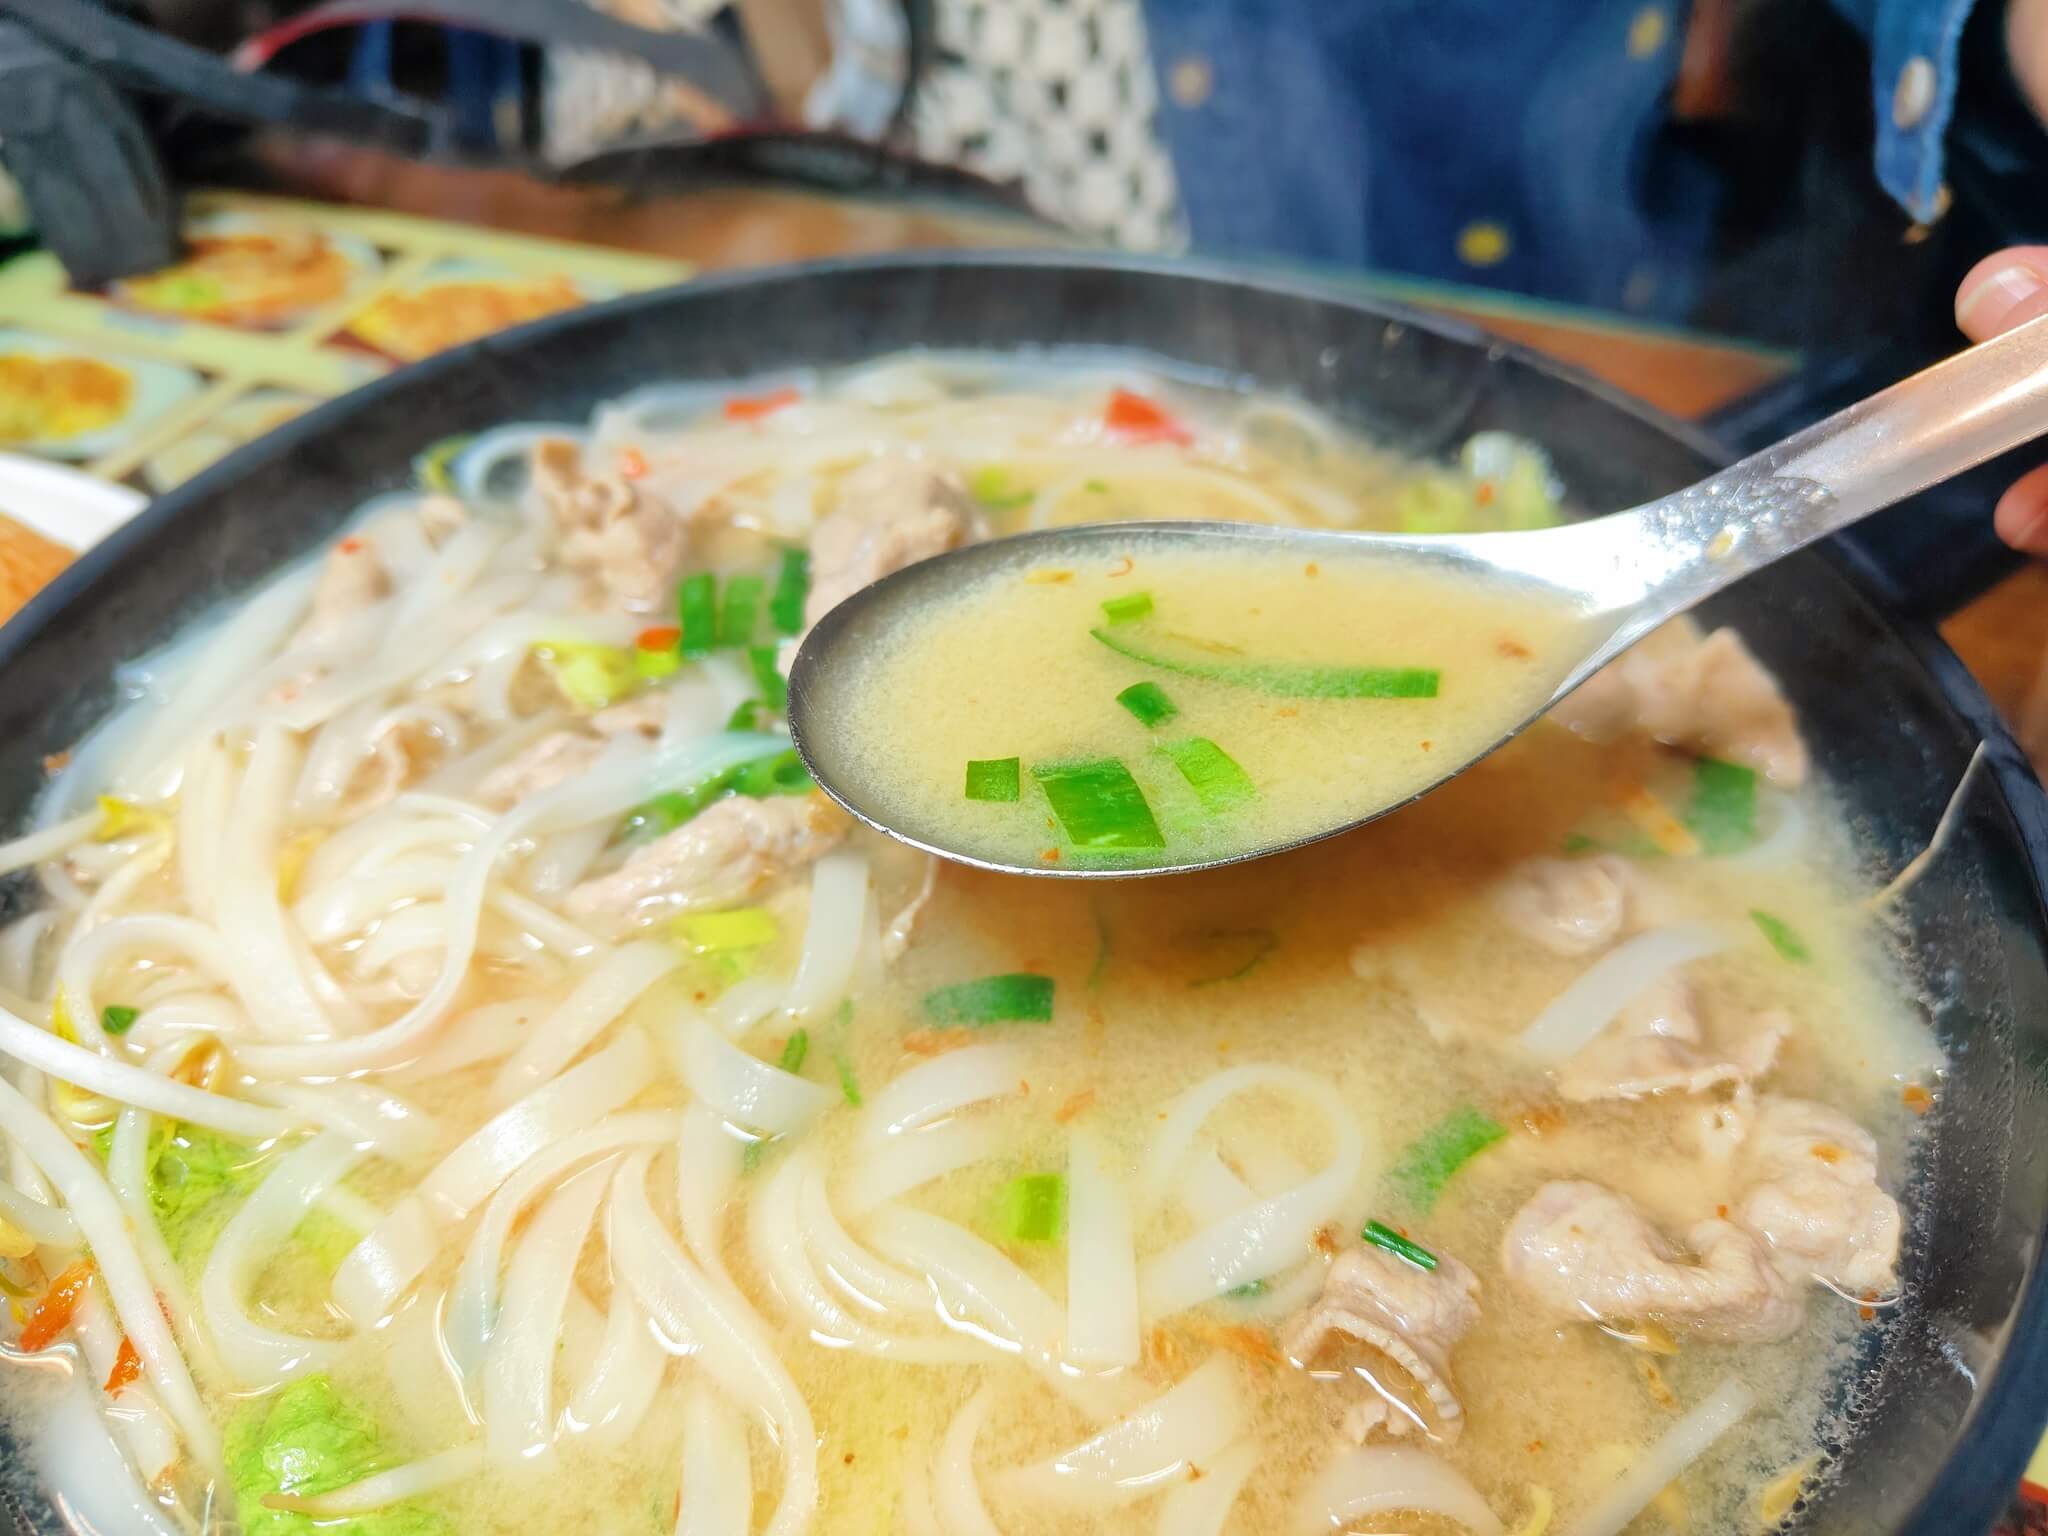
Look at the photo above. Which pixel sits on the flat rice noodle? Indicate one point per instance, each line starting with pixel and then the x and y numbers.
pixel 746 1003
pixel 956 1496
pixel 732 1344
pixel 128 1177
pixel 473 1298
pixel 457 1464
pixel 254 1354
pixel 606 991
pixel 980 1290
pixel 708 1168
pixel 1102 1260
pixel 1201 1508
pixel 1673 1451
pixel 384 1265
pixel 840 900
pixel 374 1116
pixel 104 1226
pixel 519 1367
pixel 1582 1010
pixel 744 1089
pixel 1383 1479
pixel 47 843
pixel 126 1083
pixel 1141 1452
pixel 74 1449
pixel 625 1372
pixel 350 904
pixel 1264 1238
pixel 626 775
pixel 718 1475
pixel 51 1226
pixel 154 934
pixel 910 1161
pixel 942 1085
pixel 133 1412
pixel 540 923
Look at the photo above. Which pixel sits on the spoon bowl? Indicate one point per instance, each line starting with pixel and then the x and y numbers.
pixel 1620 576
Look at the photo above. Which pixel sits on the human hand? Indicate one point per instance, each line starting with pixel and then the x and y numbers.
pixel 2003 290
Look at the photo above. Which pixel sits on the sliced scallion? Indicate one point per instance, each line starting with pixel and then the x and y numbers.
pixel 1099 804
pixel 1783 938
pixel 1148 701
pixel 117 1020
pixel 1293 680
pixel 697 611
pixel 1018 997
pixel 1033 1208
pixel 1722 813
pixel 1212 773
pixel 849 1085
pixel 742 610
pixel 992 486
pixel 792 586
pixel 768 678
pixel 1128 608
pixel 993 778
pixel 1439 1152
pixel 740 928
pixel 794 1050
pixel 1382 1236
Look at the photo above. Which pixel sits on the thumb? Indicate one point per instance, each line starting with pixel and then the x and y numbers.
pixel 2005 289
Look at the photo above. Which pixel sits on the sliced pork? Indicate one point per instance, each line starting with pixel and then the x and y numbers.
pixel 1814 1197
pixel 1389 1311
pixel 726 853
pixel 893 511
pixel 1658 1045
pixel 1569 906
pixel 628 548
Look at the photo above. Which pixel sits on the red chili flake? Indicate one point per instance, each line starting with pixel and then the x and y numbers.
pixel 663 637
pixel 1138 420
pixel 1051 855
pixel 1128 565
pixel 350 546
pixel 1483 493
pixel 127 1366
pixel 1916 1098
pixel 632 464
pixel 754 407
pixel 1509 646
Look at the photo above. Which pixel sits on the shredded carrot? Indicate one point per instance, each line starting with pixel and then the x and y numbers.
pixel 1917 1099
pixel 127 1367
pixel 1721 1211
pixel 632 464
pixel 57 762
pixel 936 1042
pixel 1483 493
pixel 1828 1152
pixel 1139 420
pixel 1325 1239
pixel 754 407
pixel 1079 1104
pixel 1656 822
pixel 1245 1341
pixel 1048 578
pixel 1507 645
pixel 52 1315
pixel 663 637
pixel 1126 564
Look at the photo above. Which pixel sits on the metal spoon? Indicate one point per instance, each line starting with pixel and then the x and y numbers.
pixel 1629 571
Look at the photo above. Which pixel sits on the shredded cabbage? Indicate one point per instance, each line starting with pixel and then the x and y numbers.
pixel 308 1440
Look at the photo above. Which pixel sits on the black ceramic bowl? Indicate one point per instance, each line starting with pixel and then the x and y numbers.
pixel 1950 1395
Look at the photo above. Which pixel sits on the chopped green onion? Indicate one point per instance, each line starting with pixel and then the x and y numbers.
pixel 747 715
pixel 1248 1290
pixel 697 608
pixel 991 486
pixel 741 928
pixel 1099 487
pixel 1016 998
pixel 794 1050
pixel 1383 1236
pixel 993 778
pixel 849 1085
pixel 768 678
pixel 1438 1153
pixel 591 676
pixel 431 468
pixel 1783 939
pixel 778 773
pixel 1578 844
pixel 1099 804
pixel 1722 814
pixel 1033 1208
pixel 792 586
pixel 757 1151
pixel 1435 503
pixel 1293 680
pixel 742 610
pixel 1148 701
pixel 117 1020
pixel 1254 944
pixel 1211 772
pixel 1124 610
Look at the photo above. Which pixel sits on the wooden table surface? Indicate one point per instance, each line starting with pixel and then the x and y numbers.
pixel 2003 636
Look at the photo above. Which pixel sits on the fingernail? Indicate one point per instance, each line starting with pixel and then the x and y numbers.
pixel 1992 298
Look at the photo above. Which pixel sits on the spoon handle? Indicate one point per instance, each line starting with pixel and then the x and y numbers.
pixel 1922 430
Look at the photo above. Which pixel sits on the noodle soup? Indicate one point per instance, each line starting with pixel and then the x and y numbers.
pixel 463 1077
